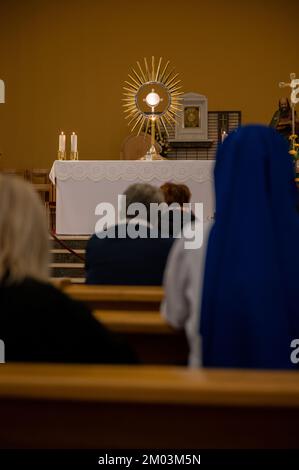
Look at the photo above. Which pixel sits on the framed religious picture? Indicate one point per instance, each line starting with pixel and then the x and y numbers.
pixel 192 124
pixel 192 116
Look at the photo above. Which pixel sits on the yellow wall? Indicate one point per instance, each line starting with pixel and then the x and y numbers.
pixel 64 63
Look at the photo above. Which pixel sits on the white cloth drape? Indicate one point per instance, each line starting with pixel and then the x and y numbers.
pixel 82 185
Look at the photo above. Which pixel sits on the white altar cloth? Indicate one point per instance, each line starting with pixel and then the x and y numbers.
pixel 82 185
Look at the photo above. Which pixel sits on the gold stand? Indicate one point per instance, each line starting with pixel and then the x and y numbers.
pixel 152 154
pixel 61 155
pixel 152 132
pixel 74 156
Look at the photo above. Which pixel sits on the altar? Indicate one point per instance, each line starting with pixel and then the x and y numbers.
pixel 82 185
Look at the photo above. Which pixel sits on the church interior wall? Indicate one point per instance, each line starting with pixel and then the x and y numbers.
pixel 64 64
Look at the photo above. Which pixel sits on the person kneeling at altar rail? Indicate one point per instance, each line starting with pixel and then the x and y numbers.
pixel 38 323
pixel 130 252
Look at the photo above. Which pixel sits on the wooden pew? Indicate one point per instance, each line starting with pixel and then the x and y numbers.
pixel 134 312
pixel 107 407
pixel 154 341
pixel 140 298
pixel 60 282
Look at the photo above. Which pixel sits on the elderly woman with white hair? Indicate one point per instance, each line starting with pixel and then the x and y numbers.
pixel 37 321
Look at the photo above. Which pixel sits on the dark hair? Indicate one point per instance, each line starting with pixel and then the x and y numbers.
pixel 179 193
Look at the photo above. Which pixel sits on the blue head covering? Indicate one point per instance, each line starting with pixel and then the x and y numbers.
pixel 250 303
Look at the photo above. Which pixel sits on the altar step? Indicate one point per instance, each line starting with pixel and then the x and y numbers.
pixel 70 270
pixel 65 264
pixel 73 280
pixel 64 256
pixel 73 242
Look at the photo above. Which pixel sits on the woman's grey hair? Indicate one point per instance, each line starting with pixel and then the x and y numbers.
pixel 145 194
pixel 24 239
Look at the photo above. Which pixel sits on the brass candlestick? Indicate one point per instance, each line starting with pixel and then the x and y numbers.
pixel 74 156
pixel 61 155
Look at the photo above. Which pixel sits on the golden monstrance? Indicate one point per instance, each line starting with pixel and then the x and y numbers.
pixel 152 97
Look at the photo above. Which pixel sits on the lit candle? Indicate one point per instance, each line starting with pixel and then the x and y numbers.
pixel 223 136
pixel 73 142
pixel 62 142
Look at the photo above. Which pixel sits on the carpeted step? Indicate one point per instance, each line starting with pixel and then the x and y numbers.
pixel 61 255
pixel 67 270
pixel 73 242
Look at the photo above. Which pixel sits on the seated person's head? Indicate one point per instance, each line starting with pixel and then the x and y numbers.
pixel 179 193
pixel 145 194
pixel 24 248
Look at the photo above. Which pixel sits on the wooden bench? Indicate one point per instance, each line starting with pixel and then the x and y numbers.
pixel 134 312
pixel 140 298
pixel 153 340
pixel 107 407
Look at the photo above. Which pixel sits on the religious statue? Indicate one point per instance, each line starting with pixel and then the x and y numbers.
pixel 282 119
pixel 285 121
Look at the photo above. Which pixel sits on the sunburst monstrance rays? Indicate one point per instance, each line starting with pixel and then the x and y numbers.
pixel 150 80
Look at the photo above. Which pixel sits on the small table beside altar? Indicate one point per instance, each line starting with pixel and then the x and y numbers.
pixel 82 185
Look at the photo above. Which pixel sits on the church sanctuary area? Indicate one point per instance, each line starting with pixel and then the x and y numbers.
pixel 149 229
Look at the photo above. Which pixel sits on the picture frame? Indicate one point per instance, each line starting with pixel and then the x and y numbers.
pixel 192 123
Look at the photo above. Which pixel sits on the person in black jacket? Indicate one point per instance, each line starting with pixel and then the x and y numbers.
pixel 38 323
pixel 115 256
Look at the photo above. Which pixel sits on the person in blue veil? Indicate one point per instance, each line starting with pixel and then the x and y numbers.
pixel 250 307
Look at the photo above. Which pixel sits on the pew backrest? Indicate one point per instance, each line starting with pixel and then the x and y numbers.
pixel 58 406
pixel 117 297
